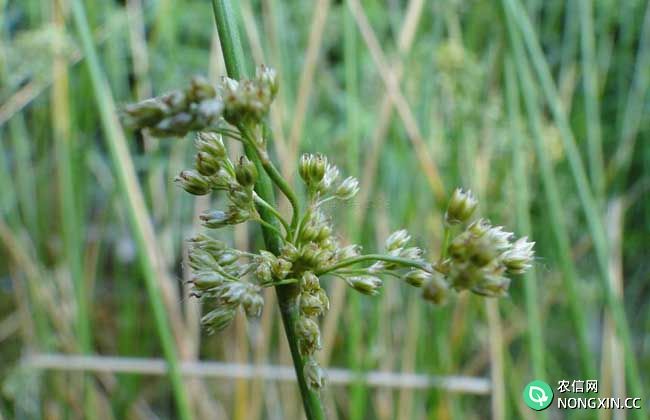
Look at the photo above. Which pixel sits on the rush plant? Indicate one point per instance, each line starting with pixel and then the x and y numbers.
pixel 305 250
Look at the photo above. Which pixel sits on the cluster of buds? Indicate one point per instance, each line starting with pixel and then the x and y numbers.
pixel 249 100
pixel 202 105
pixel 322 178
pixel 178 112
pixel 480 257
pixel 483 255
pixel 214 171
pixel 312 303
pixel 477 259
pixel 218 277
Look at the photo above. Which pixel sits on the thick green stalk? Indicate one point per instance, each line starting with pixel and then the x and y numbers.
pixel 234 58
pixel 522 204
pixel 127 179
pixel 589 206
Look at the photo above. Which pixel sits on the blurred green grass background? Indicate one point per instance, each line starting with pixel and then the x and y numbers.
pixel 414 98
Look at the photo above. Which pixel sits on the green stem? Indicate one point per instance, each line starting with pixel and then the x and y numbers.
pixel 376 257
pixel 287 293
pixel 275 176
pixel 445 243
pixel 269 226
pixel 260 201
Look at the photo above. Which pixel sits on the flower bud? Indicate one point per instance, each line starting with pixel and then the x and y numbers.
pixel 368 285
pixel 492 286
pixel 200 89
pixel 309 282
pixel 416 277
pixel 214 219
pixel 227 257
pixel 263 272
pixel 308 334
pixel 232 292
pixel 201 260
pixel 481 251
pixel 290 252
pixel 411 253
pixel 323 233
pixel 348 188
pixel 206 164
pixel 346 252
pixel 206 280
pixel 145 113
pixel 310 305
pixel 461 206
pixel 207 243
pixel 499 239
pixel 267 77
pixel 253 304
pixel 317 168
pixel 397 240
pixel 324 300
pixel 218 319
pixel 193 183
pixel 211 143
pixel 209 112
pixel 246 172
pixel 331 175
pixel 436 289
pixel 304 167
pixel 280 268
pixel 314 375
pixel 519 259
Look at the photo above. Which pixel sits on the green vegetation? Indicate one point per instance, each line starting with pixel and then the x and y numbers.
pixel 537 107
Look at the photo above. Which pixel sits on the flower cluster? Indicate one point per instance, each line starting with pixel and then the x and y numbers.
pixel 202 106
pixel 480 257
pixel 477 259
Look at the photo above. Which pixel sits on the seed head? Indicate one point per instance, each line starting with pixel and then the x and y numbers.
pixel 206 280
pixel 461 207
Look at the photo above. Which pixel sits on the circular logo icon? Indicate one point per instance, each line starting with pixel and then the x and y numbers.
pixel 538 395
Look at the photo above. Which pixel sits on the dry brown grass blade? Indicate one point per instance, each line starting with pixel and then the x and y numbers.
pixel 391 82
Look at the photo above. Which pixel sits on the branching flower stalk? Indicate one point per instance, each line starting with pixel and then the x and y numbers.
pixel 476 256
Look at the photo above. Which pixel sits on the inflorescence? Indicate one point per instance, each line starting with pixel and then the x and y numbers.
pixel 480 258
